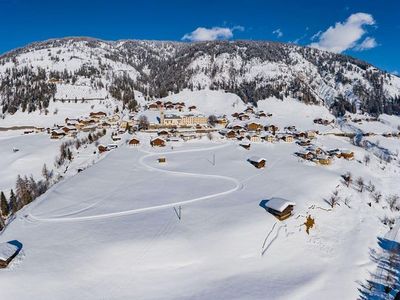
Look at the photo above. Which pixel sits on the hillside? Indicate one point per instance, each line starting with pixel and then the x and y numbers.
pixel 75 68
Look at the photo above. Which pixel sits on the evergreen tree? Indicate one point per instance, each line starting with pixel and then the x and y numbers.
pixel 45 173
pixel 13 202
pixel 4 207
pixel 2 223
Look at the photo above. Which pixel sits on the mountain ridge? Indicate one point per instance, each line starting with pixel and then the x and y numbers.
pixel 254 70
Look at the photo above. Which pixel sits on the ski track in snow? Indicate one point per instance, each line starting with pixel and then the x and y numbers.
pixel 66 218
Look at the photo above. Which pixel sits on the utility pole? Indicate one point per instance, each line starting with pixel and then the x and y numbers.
pixel 213 159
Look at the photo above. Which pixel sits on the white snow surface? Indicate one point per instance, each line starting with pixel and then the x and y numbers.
pixel 112 231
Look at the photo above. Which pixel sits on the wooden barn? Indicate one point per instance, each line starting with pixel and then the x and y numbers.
pixel 256 161
pixel 57 134
pixel 280 208
pixel 134 141
pixel 157 142
pixel 7 253
pixel 254 126
pixel 163 133
pixel 324 159
pixel 304 154
pixel 102 148
pixel 231 134
pixel 98 114
pixel 347 154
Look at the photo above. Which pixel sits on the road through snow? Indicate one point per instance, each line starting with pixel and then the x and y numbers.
pixel 68 217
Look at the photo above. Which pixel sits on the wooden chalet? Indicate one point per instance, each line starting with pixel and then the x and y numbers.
pixel 231 134
pixel 57 134
pixel 102 148
pixel 163 133
pixel 307 155
pixel 304 142
pixel 243 117
pixel 347 154
pixel 249 110
pixel 134 141
pixel 254 126
pixel 98 114
pixel 258 162
pixel 162 159
pixel 271 128
pixel 324 160
pixel 157 142
pixel 280 208
pixel 236 127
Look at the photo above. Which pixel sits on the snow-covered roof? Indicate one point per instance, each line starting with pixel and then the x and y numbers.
pixel 7 250
pixel 279 204
pixel 256 159
pixel 346 151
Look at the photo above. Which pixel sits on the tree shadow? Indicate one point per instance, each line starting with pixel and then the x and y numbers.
pixel 384 282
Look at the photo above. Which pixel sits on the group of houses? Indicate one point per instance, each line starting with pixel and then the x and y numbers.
pixel 324 157
pixel 324 122
pixel 253 131
pixel 168 105
pixel 95 120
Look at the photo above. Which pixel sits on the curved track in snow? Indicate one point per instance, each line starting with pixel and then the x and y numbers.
pixel 69 217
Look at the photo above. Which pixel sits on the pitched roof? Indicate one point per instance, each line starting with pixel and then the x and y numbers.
pixel 256 159
pixel 279 204
pixel 7 250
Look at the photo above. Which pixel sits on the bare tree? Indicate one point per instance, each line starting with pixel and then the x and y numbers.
pixel 388 221
pixel 347 201
pixel 367 159
pixel 347 178
pixel 212 120
pixel 333 199
pixel 371 187
pixel 376 196
pixel 392 201
pixel 360 184
pixel 143 122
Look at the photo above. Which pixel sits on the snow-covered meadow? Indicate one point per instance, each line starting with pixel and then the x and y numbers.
pixel 112 231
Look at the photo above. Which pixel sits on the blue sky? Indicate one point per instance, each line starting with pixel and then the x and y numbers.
pixel 367 29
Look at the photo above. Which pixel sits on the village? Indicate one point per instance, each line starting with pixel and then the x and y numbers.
pixel 179 140
pixel 168 122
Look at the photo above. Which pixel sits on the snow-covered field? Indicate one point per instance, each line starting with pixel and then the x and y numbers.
pixel 112 231
pixel 34 151
pixel 58 111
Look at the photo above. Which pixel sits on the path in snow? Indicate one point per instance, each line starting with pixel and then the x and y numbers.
pixel 67 218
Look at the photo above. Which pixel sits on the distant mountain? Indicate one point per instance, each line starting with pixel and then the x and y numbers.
pixel 31 76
